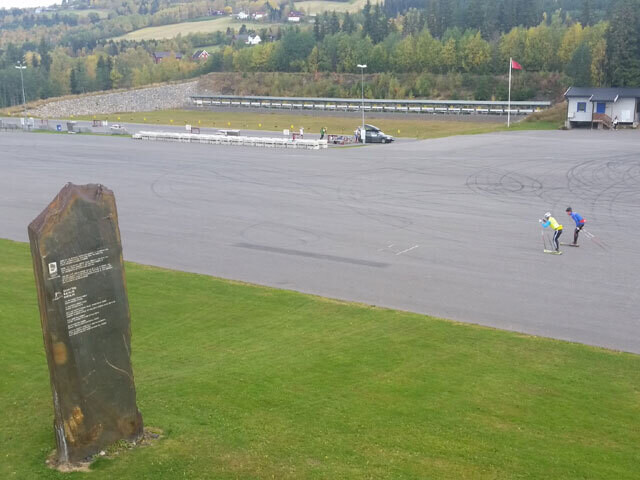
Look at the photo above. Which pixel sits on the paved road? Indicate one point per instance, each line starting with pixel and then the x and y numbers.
pixel 446 227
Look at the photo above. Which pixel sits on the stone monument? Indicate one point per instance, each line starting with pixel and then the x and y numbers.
pixel 84 312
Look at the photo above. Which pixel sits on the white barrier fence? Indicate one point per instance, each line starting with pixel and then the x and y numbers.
pixel 269 142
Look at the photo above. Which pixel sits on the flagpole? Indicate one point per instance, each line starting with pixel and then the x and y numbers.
pixel 509 107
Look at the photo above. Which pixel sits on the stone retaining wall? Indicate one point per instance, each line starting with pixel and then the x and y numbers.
pixel 141 100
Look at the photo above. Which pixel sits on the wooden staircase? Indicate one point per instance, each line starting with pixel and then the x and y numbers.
pixel 602 120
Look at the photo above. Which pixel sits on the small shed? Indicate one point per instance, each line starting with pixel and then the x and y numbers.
pixel 591 106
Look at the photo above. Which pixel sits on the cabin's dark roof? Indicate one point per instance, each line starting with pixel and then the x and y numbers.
pixel 603 94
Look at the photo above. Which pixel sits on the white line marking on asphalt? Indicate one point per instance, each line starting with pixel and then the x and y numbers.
pixel 407 250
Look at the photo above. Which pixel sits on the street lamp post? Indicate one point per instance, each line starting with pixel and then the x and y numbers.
pixel 21 67
pixel 363 132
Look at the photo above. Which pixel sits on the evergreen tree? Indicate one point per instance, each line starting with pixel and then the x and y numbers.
pixel 324 24
pixel 585 16
pixel 13 54
pixel 73 81
pixel 379 24
pixel 623 45
pixel 508 15
pixel 348 25
pixel 367 24
pixel 413 22
pixel 334 23
pixel 103 73
pixel 316 30
pixel 474 17
pixel 444 17
pixel 490 27
pixel 579 68
pixel 45 58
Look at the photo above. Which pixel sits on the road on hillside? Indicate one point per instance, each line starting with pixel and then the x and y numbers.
pixel 447 227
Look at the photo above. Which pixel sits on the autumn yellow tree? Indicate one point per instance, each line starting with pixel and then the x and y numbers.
pixel 570 41
pixel 475 53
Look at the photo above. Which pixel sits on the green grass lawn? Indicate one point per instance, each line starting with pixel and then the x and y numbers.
pixel 319 6
pixel 103 13
pixel 253 382
pixel 219 24
pixel 412 127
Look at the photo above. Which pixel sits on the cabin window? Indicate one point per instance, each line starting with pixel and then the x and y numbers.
pixel 582 106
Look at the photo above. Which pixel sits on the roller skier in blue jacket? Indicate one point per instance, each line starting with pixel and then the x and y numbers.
pixel 580 222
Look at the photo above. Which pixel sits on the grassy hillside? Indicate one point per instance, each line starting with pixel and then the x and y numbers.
pixel 185 28
pixel 253 382
pixel 319 6
pixel 81 13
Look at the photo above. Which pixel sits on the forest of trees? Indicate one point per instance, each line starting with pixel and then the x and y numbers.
pixel 399 39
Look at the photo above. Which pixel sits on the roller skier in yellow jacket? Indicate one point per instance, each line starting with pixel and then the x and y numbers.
pixel 549 221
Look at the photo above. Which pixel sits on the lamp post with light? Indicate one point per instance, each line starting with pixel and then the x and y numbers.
pixel 21 67
pixel 363 132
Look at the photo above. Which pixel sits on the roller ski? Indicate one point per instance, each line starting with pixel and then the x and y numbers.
pixel 553 252
pixel 570 244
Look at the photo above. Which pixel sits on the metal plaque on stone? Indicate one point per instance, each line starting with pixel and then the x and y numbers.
pixel 84 312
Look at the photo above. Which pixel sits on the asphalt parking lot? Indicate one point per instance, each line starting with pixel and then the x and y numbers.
pixel 447 227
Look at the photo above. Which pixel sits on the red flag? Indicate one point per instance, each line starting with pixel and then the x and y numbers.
pixel 515 65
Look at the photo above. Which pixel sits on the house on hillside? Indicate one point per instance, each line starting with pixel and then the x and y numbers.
pixel 200 55
pixel 294 16
pixel 253 40
pixel 160 56
pixel 258 15
pixel 242 16
pixel 602 107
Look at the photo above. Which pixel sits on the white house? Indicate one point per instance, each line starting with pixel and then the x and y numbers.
pixel 258 15
pixel 253 40
pixel 242 16
pixel 602 106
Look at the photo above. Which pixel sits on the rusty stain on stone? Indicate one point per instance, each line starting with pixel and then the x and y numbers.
pixel 59 353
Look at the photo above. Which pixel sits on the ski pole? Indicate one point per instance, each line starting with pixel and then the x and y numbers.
pixel 595 239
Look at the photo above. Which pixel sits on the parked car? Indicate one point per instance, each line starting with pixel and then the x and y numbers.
pixel 117 129
pixel 373 135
